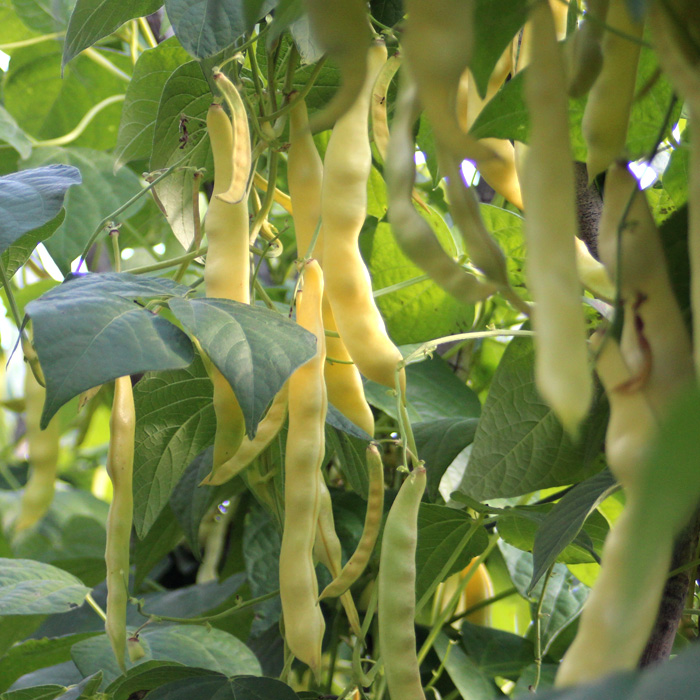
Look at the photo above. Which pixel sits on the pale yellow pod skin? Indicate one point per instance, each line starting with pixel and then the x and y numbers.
pixel 226 274
pixel 396 600
pixel 303 620
pixel 343 209
pixel 607 111
pixel 380 122
pixel 562 374
pixel 305 178
pixel 268 429
pixel 593 274
pixel 120 465
pixel 328 550
pixel 666 363
pixel 499 172
pixel 42 447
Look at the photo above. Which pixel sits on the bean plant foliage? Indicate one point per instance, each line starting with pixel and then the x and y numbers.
pixel 538 520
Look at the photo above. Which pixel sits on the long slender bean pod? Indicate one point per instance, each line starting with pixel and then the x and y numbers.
pixel 357 563
pixel 226 274
pixel 380 122
pixel 42 453
pixel 268 429
pixel 120 464
pixel 343 210
pixel 584 50
pixel 303 620
pixel 412 232
pixel 607 111
pixel 396 603
pixel 562 374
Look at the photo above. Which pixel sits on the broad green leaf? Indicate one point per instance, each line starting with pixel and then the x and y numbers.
pixel 101 193
pixel 86 336
pixel 440 531
pixel 261 549
pixel 11 133
pixel 238 688
pixel 468 678
pixel 675 177
pixel 420 311
pixel 433 392
pixel 39 692
pixel 495 25
pixel 190 502
pixel 495 652
pixel 207 27
pixel 44 17
pixel 350 453
pixel 11 26
pixel 388 12
pixel 30 588
pixel 377 204
pixel 21 250
pixel 85 690
pixel 439 442
pixel 566 519
pixel 545 673
pixel 186 95
pixel 140 110
pixel 507 229
pixel 158 542
pixel 149 676
pixel 192 645
pixel 175 422
pixel 31 198
pixel 92 20
pixel 519 444
pixel 15 628
pixel 564 597
pixel 50 107
pixel 254 348
pixel 288 13
pixel 674 237
pixel 34 654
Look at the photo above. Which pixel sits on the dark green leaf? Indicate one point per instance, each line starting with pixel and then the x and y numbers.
pixel 20 251
pixel 388 12
pixel 519 444
pixel 92 20
pixel 468 678
pixel 31 588
pixel 44 17
pixel 85 337
pixel 161 539
pixel 140 110
pixel 336 419
pixel 495 652
pixel 565 520
pixel 254 348
pixel 238 688
pixel 350 453
pixel 85 690
pixel 175 422
pixel 151 675
pixel 31 198
pixel 39 692
pixel 206 27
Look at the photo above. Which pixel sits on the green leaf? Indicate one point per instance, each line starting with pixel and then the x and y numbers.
pixel 186 94
pixel 207 27
pixel 507 228
pixel 101 193
pixel 420 311
pixel 566 519
pixel 85 690
pixel 468 678
pixel 675 177
pixel 21 250
pixel 495 25
pixel 563 599
pixel 92 20
pixel 238 688
pixel 140 109
pixel 31 198
pixel 30 588
pixel 350 453
pixel 44 17
pixel 39 692
pixel 48 107
pixel 439 442
pixel 34 654
pixel 149 676
pixel 158 542
pixel 11 133
pixel 440 530
pixel 254 348
pixel 519 444
pixel 388 12
pixel 191 645
pixel 86 335
pixel 495 652
pixel 433 392
pixel 175 422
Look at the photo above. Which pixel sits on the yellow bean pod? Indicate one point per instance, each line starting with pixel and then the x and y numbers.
pixel 607 111
pixel 303 620
pixel 380 122
pixel 562 374
pixel 343 210
pixel 120 464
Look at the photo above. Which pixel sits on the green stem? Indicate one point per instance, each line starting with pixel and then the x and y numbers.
pixel 300 95
pixel 14 309
pixel 483 604
pixel 93 604
pixel 399 286
pixel 96 57
pixel 266 205
pixel 126 205
pixel 31 42
pixel 538 631
pixel 243 605
pixel 173 262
